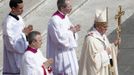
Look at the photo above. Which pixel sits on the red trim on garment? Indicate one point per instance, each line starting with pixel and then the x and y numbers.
pixel 34 50
pixel 59 14
pixel 50 69
pixel 44 70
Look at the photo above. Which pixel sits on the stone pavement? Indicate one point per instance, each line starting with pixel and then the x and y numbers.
pixel 38 12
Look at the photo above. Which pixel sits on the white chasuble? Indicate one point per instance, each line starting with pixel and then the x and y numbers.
pixel 94 58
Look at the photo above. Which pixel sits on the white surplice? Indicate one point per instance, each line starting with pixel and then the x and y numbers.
pixel 61 45
pixel 15 43
pixel 32 63
pixel 94 58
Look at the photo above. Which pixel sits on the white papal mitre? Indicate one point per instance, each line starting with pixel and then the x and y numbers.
pixel 100 16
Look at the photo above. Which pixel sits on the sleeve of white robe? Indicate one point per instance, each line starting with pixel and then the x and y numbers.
pixel 44 60
pixel 17 41
pixel 99 57
pixel 30 67
pixel 57 33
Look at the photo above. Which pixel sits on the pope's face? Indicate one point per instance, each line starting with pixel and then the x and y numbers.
pixel 102 27
pixel 18 10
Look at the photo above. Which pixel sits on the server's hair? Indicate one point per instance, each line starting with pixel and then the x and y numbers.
pixel 31 36
pixel 14 3
pixel 61 3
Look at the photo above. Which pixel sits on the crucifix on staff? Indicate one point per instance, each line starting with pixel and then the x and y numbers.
pixel 118 18
pixel 114 68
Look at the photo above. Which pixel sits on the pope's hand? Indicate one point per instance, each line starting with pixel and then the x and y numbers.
pixel 108 50
pixel 117 41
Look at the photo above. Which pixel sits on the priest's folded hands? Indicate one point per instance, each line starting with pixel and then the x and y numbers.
pixel 27 29
pixel 48 63
pixel 75 28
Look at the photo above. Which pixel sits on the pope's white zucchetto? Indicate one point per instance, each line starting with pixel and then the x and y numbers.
pixel 100 15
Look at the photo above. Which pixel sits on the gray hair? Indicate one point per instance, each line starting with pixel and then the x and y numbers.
pixel 31 36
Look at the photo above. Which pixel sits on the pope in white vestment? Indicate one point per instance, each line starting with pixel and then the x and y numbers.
pixel 96 50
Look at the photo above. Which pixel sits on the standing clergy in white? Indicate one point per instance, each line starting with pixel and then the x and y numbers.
pixel 33 62
pixel 97 51
pixel 61 41
pixel 14 38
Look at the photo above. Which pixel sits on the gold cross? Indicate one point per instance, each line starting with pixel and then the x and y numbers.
pixel 118 17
